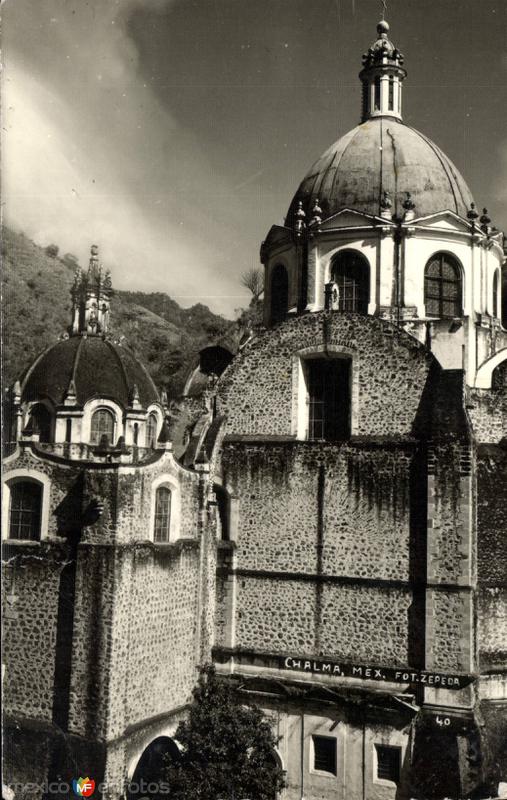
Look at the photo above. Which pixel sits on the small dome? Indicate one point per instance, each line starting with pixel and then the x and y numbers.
pixel 383 154
pixel 97 367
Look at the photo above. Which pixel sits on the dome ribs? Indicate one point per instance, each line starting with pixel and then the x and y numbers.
pixel 348 174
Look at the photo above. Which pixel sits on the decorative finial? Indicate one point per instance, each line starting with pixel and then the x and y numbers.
pixel 408 204
pixel 385 205
pixel 300 218
pixel 317 213
pixel 485 219
pixel 472 213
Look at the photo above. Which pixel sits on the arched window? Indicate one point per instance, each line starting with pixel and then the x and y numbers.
pixel 162 527
pixel 25 510
pixel 279 294
pixel 151 430
pixel 40 422
pixel 102 425
pixel 351 273
pixel 442 286
pixel 496 310
pixel 223 511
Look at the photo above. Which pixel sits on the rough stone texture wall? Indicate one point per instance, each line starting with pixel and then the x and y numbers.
pixel 255 392
pixel 345 622
pixel 365 525
pixel 488 412
pixel 130 635
pixel 449 504
pixel 492 612
pixel 448 633
pixel 29 632
pixel 492 554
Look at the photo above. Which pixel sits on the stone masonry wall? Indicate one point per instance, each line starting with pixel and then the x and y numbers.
pixel 390 370
pixel 344 622
pixel 364 518
pixel 488 412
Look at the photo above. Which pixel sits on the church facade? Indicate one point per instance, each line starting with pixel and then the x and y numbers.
pixel 330 528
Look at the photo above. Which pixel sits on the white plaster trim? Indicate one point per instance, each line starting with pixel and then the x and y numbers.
pixel 484 374
pixel 174 524
pixel 16 476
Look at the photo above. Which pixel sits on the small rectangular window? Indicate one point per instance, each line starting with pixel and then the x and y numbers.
pixel 377 94
pixel 391 93
pixel 324 754
pixel 388 762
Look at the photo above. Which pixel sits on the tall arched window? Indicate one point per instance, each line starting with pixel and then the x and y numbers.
pixel 496 281
pixel 442 286
pixel 279 294
pixel 351 273
pixel 162 527
pixel 102 425
pixel 151 430
pixel 40 422
pixel 25 510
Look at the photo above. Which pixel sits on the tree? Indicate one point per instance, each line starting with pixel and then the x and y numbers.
pixel 52 250
pixel 227 748
pixel 253 280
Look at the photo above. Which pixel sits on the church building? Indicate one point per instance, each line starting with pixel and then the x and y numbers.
pixel 329 527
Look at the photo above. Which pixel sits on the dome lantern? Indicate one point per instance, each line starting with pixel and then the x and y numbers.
pixel 91 297
pixel 382 76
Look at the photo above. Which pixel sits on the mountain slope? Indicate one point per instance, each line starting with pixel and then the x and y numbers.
pixel 37 310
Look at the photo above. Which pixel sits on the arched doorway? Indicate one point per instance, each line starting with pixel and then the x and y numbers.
pixel 149 772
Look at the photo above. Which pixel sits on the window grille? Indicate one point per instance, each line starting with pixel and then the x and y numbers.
pixel 25 511
pixel 162 526
pixel 442 287
pixel 151 431
pixel 388 762
pixel 324 754
pixel 102 425
pixel 328 382
pixel 351 274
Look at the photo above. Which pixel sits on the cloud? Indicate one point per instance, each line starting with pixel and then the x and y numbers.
pixel 91 155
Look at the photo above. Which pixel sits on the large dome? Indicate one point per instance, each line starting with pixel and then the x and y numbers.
pixel 383 154
pixel 97 366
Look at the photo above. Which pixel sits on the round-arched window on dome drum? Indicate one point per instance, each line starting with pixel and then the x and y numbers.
pixel 151 430
pixel 40 422
pixel 279 294
pixel 442 286
pixel 102 426
pixel 351 273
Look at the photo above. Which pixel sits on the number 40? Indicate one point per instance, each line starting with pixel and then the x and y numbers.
pixel 444 722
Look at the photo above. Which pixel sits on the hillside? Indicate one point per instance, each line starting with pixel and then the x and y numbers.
pixel 36 311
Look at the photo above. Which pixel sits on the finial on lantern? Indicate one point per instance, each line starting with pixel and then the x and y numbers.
pixel 300 218
pixel 317 213
pixel 472 213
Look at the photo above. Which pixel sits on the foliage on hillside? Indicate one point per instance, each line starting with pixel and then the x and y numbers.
pixel 37 310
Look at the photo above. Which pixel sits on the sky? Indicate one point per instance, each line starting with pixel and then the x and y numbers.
pixel 174 133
